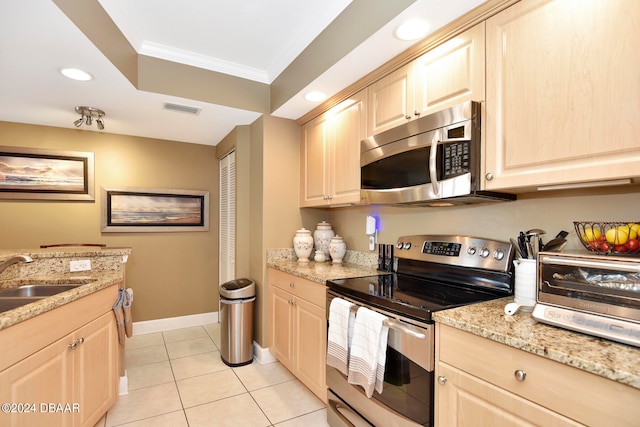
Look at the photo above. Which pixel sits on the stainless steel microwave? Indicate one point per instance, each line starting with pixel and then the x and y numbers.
pixel 430 161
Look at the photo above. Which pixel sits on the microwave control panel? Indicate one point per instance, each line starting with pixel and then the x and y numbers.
pixel 456 158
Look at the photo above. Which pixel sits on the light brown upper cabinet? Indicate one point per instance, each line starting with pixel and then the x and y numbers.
pixel 563 93
pixel 447 75
pixel 330 155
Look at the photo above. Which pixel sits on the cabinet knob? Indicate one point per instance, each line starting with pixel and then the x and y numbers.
pixel 520 375
pixel 76 343
pixel 416 113
pixel 442 379
pixel 291 284
pixel 407 116
pixel 489 176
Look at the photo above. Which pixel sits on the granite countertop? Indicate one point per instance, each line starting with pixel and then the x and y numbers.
pixel 50 266
pixel 357 264
pixel 618 362
pixel 90 284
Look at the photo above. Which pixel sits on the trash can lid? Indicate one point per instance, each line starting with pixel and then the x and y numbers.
pixel 238 288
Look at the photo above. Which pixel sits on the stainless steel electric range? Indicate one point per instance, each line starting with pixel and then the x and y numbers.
pixel 430 273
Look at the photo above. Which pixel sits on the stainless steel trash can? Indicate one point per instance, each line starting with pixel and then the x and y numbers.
pixel 237 298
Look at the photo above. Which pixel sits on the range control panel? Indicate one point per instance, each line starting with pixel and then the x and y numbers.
pixel 463 251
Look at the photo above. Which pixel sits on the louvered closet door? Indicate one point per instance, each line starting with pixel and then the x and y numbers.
pixel 227 217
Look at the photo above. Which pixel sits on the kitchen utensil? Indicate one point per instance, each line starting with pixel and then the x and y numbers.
pixel 561 235
pixel 555 245
pixel 533 236
pixel 512 308
pixel 522 244
pixel 536 231
pixel 530 252
pixel 517 248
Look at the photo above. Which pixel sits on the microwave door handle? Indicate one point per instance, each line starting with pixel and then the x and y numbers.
pixel 433 173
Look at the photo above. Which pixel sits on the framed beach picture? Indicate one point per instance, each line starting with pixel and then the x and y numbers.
pixel 154 210
pixel 35 173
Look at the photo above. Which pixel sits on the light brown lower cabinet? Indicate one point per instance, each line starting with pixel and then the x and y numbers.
pixel 299 328
pixel 480 382
pixel 72 381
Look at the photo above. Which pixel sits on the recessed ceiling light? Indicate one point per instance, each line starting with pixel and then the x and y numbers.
pixel 315 96
pixel 412 29
pixel 76 74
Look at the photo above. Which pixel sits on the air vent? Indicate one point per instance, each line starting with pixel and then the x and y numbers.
pixel 181 108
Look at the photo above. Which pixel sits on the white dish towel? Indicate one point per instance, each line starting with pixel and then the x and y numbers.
pixel 368 351
pixel 341 323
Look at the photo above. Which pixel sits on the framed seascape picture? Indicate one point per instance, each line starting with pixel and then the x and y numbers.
pixel 40 174
pixel 154 210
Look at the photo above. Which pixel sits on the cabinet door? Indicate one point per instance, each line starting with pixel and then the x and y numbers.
pixel 43 378
pixel 391 100
pixel 96 368
pixel 348 129
pixel 452 72
pixel 562 93
pixel 310 346
pixel 464 400
pixel 314 167
pixel 282 327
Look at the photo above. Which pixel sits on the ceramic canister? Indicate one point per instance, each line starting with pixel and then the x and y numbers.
pixel 337 249
pixel 303 244
pixel 322 236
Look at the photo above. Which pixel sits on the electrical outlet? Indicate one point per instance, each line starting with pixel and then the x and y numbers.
pixel 80 265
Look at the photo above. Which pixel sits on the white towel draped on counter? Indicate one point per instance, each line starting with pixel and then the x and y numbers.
pixel 341 323
pixel 368 351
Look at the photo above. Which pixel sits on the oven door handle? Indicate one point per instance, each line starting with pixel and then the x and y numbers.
pixel 339 409
pixel 403 327
pixel 398 325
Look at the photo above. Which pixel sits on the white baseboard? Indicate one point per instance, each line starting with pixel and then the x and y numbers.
pixel 170 323
pixel 123 386
pixel 262 355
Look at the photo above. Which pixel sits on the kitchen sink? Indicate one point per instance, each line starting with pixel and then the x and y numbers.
pixel 37 290
pixel 9 303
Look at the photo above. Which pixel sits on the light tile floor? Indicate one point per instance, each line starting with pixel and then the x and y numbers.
pixel 177 379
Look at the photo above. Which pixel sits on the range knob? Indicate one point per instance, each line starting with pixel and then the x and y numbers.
pixel 407 245
pixel 399 245
pixel 472 250
pixel 484 252
pixel 498 254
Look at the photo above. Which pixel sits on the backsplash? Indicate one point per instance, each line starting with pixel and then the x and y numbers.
pixel 364 259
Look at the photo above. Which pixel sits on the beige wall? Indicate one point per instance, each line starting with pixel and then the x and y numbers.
pixel 551 212
pixel 172 274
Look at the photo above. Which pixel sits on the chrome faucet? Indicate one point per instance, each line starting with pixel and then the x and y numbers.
pixel 14 260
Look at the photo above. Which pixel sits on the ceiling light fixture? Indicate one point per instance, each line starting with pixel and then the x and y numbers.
pixel 412 29
pixel 76 74
pixel 87 114
pixel 315 96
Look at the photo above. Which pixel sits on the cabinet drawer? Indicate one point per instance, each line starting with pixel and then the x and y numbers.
pixel 313 292
pixel 577 394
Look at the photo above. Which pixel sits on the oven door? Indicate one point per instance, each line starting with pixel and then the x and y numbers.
pixel 407 396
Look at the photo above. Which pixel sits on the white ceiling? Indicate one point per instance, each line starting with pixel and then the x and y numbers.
pixel 252 39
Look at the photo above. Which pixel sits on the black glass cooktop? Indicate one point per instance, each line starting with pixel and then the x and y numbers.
pixel 413 297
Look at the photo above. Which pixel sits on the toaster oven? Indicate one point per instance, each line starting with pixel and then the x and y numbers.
pixel 594 294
